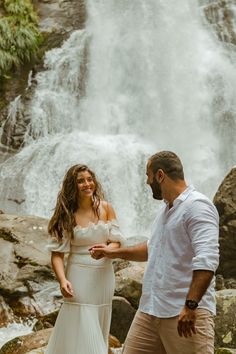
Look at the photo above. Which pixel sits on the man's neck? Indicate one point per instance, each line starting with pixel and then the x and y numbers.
pixel 173 190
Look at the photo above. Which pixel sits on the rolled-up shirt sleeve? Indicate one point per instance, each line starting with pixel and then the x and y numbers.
pixel 202 222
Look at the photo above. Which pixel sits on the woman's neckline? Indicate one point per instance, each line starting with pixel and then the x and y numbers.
pixel 93 224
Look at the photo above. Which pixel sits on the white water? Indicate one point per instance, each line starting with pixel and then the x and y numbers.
pixel 142 76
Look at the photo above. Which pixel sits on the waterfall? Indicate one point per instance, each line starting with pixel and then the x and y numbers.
pixel 142 76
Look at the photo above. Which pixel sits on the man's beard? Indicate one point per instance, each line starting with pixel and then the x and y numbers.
pixel 156 190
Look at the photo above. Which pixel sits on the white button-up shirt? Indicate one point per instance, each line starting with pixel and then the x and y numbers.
pixel 184 238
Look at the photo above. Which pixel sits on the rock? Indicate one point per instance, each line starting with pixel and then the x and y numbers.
pixel 36 343
pixel 230 283
pixel 122 317
pixel 129 283
pixel 119 264
pixel 225 202
pixel 225 321
pixel 24 344
pixel 220 14
pixel 220 283
pixel 27 283
pixel 46 321
pixel 6 313
pixel 225 351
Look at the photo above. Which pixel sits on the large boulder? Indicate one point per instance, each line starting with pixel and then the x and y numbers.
pixel 129 283
pixel 225 321
pixel 122 317
pixel 225 202
pixel 27 284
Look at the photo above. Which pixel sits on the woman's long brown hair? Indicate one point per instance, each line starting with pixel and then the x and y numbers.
pixel 63 219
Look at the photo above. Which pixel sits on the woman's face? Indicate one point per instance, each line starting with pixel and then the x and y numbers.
pixel 86 185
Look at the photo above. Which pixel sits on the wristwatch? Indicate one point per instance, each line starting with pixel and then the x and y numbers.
pixel 191 304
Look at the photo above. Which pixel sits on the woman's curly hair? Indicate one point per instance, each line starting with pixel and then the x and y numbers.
pixel 63 219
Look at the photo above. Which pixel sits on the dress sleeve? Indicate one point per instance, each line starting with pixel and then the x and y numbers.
pixel 59 246
pixel 115 234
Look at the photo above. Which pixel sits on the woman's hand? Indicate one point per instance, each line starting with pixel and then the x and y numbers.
pixel 101 250
pixel 98 251
pixel 66 288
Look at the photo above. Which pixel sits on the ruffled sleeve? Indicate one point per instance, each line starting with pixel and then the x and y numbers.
pixel 59 246
pixel 115 234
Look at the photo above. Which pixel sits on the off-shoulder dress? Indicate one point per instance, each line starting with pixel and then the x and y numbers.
pixel 83 322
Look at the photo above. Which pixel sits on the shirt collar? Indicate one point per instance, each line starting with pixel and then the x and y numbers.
pixel 183 196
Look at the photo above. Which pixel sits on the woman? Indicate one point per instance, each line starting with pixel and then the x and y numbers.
pixel 81 219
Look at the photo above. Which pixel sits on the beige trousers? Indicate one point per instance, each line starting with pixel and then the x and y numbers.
pixel 152 335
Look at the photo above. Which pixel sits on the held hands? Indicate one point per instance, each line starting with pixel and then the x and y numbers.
pixel 66 288
pixel 186 322
pixel 100 250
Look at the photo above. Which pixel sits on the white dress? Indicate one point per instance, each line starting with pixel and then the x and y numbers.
pixel 83 322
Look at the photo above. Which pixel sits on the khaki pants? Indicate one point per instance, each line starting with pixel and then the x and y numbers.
pixel 152 335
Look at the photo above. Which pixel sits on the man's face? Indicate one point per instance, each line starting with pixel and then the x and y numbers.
pixel 155 186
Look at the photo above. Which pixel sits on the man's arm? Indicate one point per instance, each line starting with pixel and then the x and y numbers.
pixel 138 253
pixel 200 282
pixel 202 223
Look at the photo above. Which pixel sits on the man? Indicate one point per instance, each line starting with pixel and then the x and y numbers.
pixel 177 305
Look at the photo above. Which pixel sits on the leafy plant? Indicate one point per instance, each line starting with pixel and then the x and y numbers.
pixel 19 34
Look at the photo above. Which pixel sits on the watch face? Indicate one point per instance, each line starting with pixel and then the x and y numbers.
pixel 191 304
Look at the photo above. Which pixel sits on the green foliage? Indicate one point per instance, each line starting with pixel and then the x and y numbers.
pixel 19 34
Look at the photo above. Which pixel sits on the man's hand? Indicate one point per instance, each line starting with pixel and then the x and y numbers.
pixel 101 250
pixel 186 322
pixel 66 288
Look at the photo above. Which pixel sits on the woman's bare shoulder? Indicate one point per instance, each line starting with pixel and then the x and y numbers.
pixel 108 209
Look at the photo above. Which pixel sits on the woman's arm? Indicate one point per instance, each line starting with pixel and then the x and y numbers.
pixel 137 253
pixel 57 260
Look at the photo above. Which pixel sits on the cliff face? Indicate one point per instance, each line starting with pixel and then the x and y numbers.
pixel 57 19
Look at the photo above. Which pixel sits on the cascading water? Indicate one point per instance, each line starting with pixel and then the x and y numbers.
pixel 141 77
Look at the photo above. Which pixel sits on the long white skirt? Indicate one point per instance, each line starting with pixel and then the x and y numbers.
pixel 83 322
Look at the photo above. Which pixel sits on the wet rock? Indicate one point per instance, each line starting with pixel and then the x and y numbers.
pixel 24 344
pixel 225 321
pixel 27 283
pixel 225 202
pixel 122 317
pixel 220 14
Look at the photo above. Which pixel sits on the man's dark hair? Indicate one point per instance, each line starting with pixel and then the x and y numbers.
pixel 169 162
